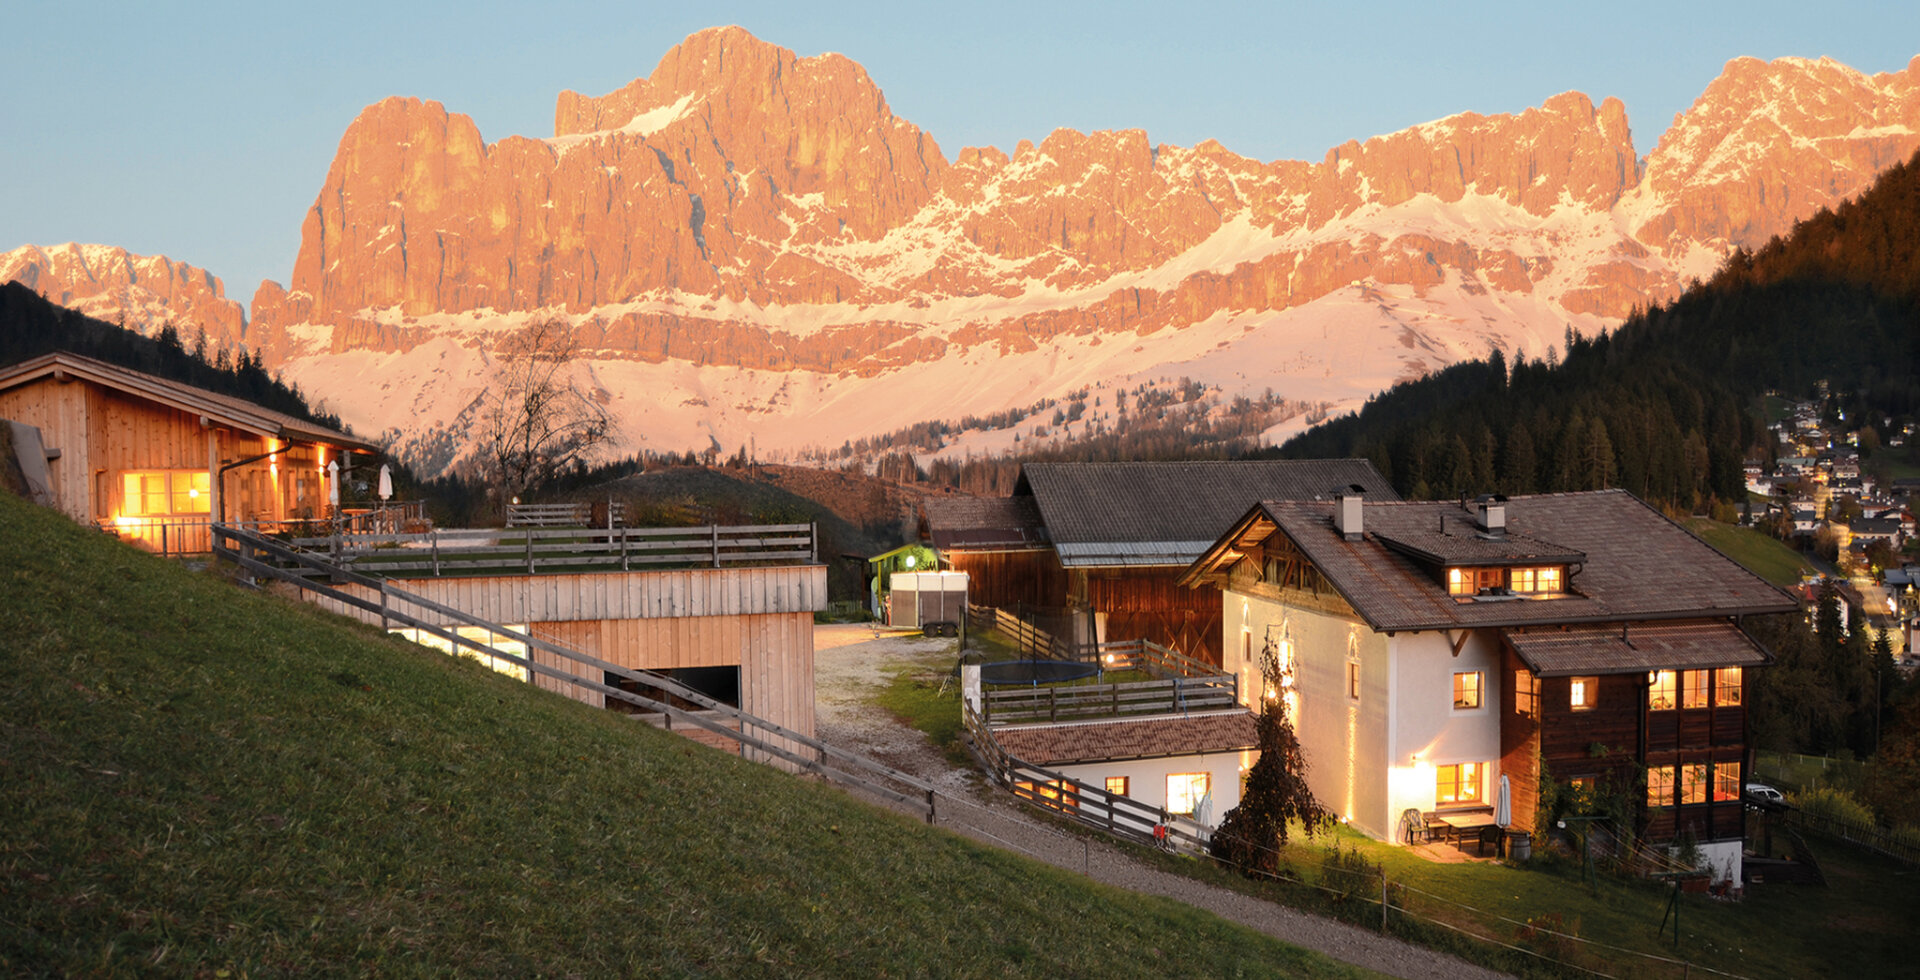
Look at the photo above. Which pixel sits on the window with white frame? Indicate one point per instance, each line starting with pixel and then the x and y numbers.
pixel 1186 791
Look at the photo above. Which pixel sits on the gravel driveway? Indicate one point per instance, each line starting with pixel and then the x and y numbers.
pixel 852 663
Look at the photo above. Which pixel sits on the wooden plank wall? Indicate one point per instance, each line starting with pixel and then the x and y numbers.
pixel 1003 579
pixel 1149 604
pixel 1519 748
pixel 549 598
pixel 774 652
pixel 59 411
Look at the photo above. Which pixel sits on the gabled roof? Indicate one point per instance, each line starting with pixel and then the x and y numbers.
pixel 236 413
pixel 985 524
pixel 1155 513
pixel 1638 565
pixel 1131 738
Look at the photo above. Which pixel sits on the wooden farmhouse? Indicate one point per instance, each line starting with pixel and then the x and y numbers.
pixel 1436 651
pixel 1093 552
pixel 154 460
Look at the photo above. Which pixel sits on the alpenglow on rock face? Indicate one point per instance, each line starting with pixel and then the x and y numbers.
pixel 751 245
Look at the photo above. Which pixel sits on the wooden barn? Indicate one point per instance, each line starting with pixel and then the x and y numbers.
pixel 741 635
pixel 1093 552
pixel 154 460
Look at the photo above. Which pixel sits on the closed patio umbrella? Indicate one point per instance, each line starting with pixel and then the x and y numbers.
pixel 333 483
pixel 386 482
pixel 1503 806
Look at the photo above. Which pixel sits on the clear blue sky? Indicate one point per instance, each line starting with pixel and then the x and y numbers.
pixel 203 131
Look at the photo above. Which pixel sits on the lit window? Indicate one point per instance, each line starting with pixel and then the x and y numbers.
pixel 1526 693
pixel 1660 684
pixel 1459 582
pixel 1726 781
pixel 1457 783
pixel 1547 580
pixel 1353 679
pixel 1060 796
pixel 1117 785
pixel 1186 791
pixel 1583 692
pixel 1693 782
pixel 1246 646
pixel 1466 689
pixel 1522 580
pixel 1693 688
pixel 166 492
pixel 1582 785
pixel 1660 786
pixel 1726 687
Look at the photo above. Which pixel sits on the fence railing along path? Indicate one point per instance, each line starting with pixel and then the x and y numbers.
pixel 532 550
pixel 759 739
pixel 1083 803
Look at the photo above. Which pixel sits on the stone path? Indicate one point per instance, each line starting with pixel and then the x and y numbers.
pixel 853 662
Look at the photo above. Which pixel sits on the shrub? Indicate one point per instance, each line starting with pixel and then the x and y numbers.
pixel 1832 804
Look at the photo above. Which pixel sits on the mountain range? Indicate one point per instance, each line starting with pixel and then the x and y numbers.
pixel 751 246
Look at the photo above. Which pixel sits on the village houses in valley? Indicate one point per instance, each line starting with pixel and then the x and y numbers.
pixel 1437 654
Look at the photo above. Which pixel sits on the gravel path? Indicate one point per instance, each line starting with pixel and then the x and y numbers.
pixel 852 663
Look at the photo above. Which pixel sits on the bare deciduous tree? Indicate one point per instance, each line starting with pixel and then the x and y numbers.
pixel 538 420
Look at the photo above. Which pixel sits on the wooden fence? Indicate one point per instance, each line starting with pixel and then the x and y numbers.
pixel 1178 695
pixel 757 738
pixel 1113 655
pixel 608 514
pixel 534 550
pixel 1083 803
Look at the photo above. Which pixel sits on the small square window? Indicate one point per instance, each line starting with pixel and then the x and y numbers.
pixel 1457 783
pixel 1117 785
pixel 1583 693
pixel 1466 689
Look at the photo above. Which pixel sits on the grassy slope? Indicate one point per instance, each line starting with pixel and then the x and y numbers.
pixel 197 778
pixel 1760 554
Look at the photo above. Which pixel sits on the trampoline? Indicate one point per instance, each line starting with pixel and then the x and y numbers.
pixel 1035 672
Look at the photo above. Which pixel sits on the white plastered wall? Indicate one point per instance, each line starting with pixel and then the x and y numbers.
pixel 1147 778
pixel 1427 730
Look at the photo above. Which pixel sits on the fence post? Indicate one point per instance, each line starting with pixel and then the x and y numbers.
pixel 1383 903
pixel 930 813
pixel 433 541
pixel 528 531
pixel 813 543
pixel 715 528
pixel 383 606
pixel 623 549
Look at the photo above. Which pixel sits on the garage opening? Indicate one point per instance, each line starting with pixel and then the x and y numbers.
pixel 719 683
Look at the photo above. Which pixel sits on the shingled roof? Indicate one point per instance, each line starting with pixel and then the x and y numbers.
pixel 985 524
pixel 1167 513
pixel 1638 565
pixel 1132 738
pixel 1618 649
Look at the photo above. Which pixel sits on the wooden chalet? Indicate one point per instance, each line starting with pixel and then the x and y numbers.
pixel 154 460
pixel 1094 552
pixel 1435 649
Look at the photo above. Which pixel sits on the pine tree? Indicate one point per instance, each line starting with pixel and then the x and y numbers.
pixel 1276 791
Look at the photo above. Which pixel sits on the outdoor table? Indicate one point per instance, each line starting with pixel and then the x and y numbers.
pixel 1458 825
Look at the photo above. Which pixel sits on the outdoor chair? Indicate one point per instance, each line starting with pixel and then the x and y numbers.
pixel 1418 831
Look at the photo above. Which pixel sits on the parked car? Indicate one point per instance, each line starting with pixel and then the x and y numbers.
pixel 1762 793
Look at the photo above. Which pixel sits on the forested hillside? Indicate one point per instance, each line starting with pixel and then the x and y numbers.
pixel 30 326
pixel 1665 405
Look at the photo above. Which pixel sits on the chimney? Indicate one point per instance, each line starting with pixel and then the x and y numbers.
pixel 1493 515
pixel 1346 512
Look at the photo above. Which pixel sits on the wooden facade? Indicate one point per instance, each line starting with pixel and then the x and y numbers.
pixel 1150 604
pixel 758 620
pixel 153 460
pixel 1009 579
